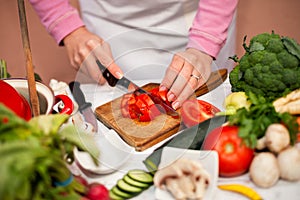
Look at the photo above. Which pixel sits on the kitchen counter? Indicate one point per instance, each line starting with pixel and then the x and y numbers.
pixel 99 95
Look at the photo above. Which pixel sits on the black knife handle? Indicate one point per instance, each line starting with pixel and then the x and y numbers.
pixel 79 96
pixel 112 81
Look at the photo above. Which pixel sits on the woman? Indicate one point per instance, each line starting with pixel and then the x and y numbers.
pixel 175 40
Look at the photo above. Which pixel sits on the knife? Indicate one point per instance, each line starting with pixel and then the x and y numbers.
pixel 127 84
pixel 84 107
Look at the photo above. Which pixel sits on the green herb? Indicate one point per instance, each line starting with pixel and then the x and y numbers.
pixel 34 156
pixel 254 121
pixel 3 69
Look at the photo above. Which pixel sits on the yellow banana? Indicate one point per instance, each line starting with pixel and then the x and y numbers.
pixel 242 189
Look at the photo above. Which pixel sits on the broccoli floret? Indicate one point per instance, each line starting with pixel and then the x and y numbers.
pixel 268 58
pixel 275 45
pixel 269 67
pixel 235 76
pixel 263 39
pixel 244 63
pixel 256 57
pixel 287 60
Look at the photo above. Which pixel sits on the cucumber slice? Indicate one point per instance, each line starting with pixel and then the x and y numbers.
pixel 127 187
pixel 114 196
pixel 141 176
pixel 135 183
pixel 120 193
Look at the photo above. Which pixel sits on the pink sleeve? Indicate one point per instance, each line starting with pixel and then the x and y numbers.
pixel 58 17
pixel 210 26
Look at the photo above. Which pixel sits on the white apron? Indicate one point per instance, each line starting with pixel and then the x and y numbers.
pixel 145 34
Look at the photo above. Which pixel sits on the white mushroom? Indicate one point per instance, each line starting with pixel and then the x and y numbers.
pixel 264 169
pixel 185 179
pixel 289 164
pixel 277 137
pixel 173 186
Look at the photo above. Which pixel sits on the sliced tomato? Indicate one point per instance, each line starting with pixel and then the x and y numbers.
pixel 141 106
pixel 146 99
pixel 194 111
pixel 154 91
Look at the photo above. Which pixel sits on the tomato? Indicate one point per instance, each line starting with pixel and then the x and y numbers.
pixel 141 106
pixel 234 156
pixel 161 94
pixel 97 191
pixel 194 111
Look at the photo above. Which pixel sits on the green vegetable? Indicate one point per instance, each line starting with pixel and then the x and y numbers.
pixel 3 69
pixel 270 66
pixel 254 121
pixel 34 156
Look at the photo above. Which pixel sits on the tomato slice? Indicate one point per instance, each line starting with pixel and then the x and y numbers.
pixel 141 106
pixel 234 156
pixel 194 111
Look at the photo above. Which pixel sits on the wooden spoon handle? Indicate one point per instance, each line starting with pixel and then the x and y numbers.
pixel 34 101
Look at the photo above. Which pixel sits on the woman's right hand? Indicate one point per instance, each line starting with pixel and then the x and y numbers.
pixel 84 48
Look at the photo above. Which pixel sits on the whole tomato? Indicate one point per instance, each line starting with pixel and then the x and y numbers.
pixel 194 111
pixel 234 156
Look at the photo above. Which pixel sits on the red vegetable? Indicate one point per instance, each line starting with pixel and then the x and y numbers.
pixel 194 111
pixel 97 191
pixel 234 156
pixel 10 97
pixel 141 107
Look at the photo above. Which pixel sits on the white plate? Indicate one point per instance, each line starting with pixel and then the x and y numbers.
pixel 113 154
pixel 208 159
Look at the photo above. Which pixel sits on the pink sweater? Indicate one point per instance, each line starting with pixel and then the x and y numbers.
pixel 208 32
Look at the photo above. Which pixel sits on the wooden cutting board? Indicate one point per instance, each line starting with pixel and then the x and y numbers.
pixel 142 135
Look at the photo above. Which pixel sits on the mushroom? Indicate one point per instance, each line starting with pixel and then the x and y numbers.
pixel 185 179
pixel 276 138
pixel 289 164
pixel 264 170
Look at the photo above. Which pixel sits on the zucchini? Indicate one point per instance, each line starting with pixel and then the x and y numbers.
pixel 140 176
pixel 114 196
pixel 122 185
pixel 135 183
pixel 120 193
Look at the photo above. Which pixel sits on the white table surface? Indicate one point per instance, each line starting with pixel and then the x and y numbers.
pixel 99 95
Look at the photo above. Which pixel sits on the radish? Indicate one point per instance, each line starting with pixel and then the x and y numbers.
pixel 97 191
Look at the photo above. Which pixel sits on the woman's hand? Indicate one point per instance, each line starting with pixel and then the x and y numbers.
pixel 84 48
pixel 187 71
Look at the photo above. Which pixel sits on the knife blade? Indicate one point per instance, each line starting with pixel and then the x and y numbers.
pixel 84 107
pixel 128 85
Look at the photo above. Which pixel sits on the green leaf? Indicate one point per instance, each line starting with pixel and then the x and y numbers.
pixel 256 46
pixel 49 124
pixel 292 46
pixel 80 139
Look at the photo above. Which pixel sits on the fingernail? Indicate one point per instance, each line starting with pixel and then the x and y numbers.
pixel 171 97
pixel 119 75
pixel 175 105
pixel 162 88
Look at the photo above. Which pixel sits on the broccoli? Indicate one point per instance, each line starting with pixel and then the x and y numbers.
pixel 269 67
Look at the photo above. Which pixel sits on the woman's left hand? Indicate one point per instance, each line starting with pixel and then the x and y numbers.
pixel 187 71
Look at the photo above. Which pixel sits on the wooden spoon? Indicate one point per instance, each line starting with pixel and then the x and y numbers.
pixel 34 101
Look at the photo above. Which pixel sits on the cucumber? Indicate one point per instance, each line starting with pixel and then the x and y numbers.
pixel 120 193
pixel 135 183
pixel 114 196
pixel 140 176
pixel 122 185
